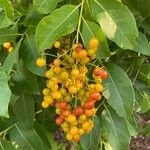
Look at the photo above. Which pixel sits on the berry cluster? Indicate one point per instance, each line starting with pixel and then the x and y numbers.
pixel 8 46
pixel 70 91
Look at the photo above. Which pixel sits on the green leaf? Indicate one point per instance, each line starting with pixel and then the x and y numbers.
pixel 45 6
pixel 116 21
pixel 5 145
pixel 11 59
pixel 91 140
pixel 114 130
pixel 5 94
pixel 122 96
pixel 7 35
pixel 142 45
pixel 29 55
pixel 60 22
pixel 145 105
pixel 89 30
pixel 25 80
pixel 8 14
pixel 23 133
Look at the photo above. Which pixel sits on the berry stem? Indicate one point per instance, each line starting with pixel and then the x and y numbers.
pixel 79 24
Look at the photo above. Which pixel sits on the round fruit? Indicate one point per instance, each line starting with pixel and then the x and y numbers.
pixel 57 62
pixel 57 44
pixel 45 104
pixel 72 89
pixel 75 72
pixel 78 111
pixel 89 104
pixel 71 118
pixel 69 137
pixel 65 113
pixel 95 96
pixel 74 130
pixel 103 74
pixel 59 120
pixel 82 54
pixel 56 95
pixel 46 91
pixel 93 43
pixel 40 62
pixel 7 45
pixel 10 49
pixel 62 105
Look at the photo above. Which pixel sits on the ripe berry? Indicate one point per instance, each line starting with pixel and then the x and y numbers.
pixel 57 69
pixel 89 104
pixel 103 74
pixel 10 49
pixel 72 89
pixel 62 105
pixel 40 62
pixel 75 72
pixel 48 99
pixel 69 137
pixel 56 95
pixel 64 75
pixel 7 45
pixel 65 113
pixel 49 73
pixel 79 47
pixel 78 111
pixel 46 91
pixel 74 130
pixel 93 43
pixel 59 120
pixel 57 62
pixel 95 96
pixel 57 44
pixel 71 118
pixel 82 54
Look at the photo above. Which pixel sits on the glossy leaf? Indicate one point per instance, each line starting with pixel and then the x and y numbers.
pixel 114 130
pixel 60 22
pixel 122 96
pixel 5 94
pixel 45 6
pixel 29 55
pixel 5 145
pixel 91 29
pixel 116 21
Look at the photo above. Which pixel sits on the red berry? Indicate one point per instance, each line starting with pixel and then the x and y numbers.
pixel 59 120
pixel 103 74
pixel 78 111
pixel 95 96
pixel 97 71
pixel 79 47
pixel 62 105
pixel 65 113
pixel 89 104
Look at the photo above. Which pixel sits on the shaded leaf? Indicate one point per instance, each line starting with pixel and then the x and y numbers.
pixel 5 145
pixel 60 22
pixel 114 130
pixel 5 94
pixel 122 96
pixel 116 21
pixel 89 30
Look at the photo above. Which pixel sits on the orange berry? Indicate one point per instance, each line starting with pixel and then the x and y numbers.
pixel 71 118
pixel 74 130
pixel 98 87
pixel 85 125
pixel 57 62
pixel 82 53
pixel 93 43
pixel 56 95
pixel 59 120
pixel 7 45
pixel 57 69
pixel 40 62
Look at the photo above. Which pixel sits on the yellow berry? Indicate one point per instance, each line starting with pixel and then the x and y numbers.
pixel 71 118
pixel 74 46
pixel 72 89
pixel 64 75
pixel 99 87
pixel 57 44
pixel 75 72
pixel 40 62
pixel 48 99
pixel 81 131
pixel 10 49
pixel 45 104
pixel 49 73
pixel 82 117
pixel 69 137
pixel 46 91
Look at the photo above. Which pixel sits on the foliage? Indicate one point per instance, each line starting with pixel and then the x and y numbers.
pixel 32 26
